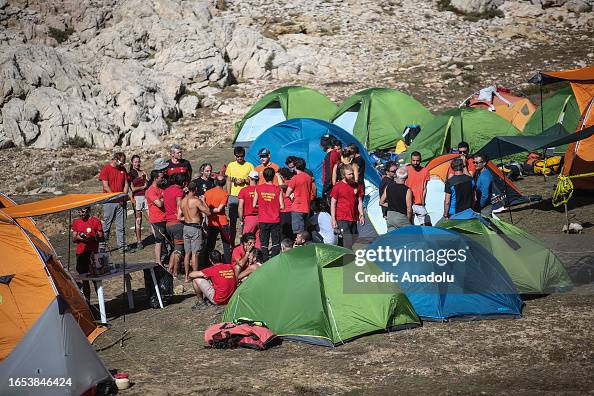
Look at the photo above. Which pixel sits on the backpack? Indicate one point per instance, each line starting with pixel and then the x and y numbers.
pixel 165 282
pixel 248 335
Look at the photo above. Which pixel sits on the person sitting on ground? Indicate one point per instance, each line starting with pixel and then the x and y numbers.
pixel 215 284
pixel 483 180
pixel 459 190
pixel 397 198
pixel 321 221
pixel 464 151
pixel 194 211
pixel 156 208
pixel 286 244
pixel 253 263
pixel 138 184
pixel 172 197
pixel 242 251
pixel 303 238
pixel 87 232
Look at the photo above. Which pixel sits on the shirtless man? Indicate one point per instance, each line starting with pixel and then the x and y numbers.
pixel 194 211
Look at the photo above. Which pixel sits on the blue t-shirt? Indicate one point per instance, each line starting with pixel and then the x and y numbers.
pixel 484 188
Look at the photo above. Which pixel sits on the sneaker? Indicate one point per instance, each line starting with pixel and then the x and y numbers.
pixel 207 302
pixel 139 245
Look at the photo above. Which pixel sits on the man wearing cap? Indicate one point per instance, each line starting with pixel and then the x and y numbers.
pixel 176 164
pixel 248 215
pixel 114 178
pixel 87 232
pixel 237 178
pixel 264 155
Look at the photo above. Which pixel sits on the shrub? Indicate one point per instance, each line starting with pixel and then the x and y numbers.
pixel 60 35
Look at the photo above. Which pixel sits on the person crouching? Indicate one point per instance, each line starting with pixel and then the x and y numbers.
pixel 215 284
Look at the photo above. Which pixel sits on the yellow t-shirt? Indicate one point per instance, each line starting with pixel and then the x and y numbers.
pixel 235 170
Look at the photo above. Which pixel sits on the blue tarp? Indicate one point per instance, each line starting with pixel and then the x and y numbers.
pixel 473 284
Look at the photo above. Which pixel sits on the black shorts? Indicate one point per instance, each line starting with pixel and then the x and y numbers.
pixel 83 262
pixel 160 232
pixel 176 233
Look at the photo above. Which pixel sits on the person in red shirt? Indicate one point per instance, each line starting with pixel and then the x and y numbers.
pixel 346 206
pixel 216 198
pixel 242 251
pixel 176 164
pixel 172 197
pixel 215 284
pixel 138 185
pixel 269 201
pixel 417 179
pixel 264 155
pixel 87 232
pixel 468 161
pixel 248 215
pixel 286 220
pixel 301 186
pixel 327 142
pixel 114 178
pixel 156 208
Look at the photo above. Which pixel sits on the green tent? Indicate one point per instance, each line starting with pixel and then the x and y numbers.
pixel 561 108
pixel 309 294
pixel 474 126
pixel 534 268
pixel 278 106
pixel 378 116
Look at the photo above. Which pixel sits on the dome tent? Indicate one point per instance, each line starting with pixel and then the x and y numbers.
pixel 300 137
pixel 378 116
pixel 468 285
pixel 533 268
pixel 474 126
pixel 560 108
pixel 299 294
pixel 280 105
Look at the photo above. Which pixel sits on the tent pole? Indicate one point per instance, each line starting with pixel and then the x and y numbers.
pixel 124 257
pixel 511 219
pixel 541 131
pixel 69 235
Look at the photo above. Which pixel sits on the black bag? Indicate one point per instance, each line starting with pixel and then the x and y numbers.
pixel 165 282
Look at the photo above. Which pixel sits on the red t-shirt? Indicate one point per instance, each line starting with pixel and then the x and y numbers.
pixel 238 254
pixel 301 184
pixel 135 180
pixel 155 213
pixel 288 204
pixel 469 165
pixel 115 177
pixel 247 194
pixel 334 158
pixel 223 281
pixel 260 169
pixel 269 197
pixel 213 198
pixel 347 200
pixel 91 227
pixel 416 182
pixel 170 196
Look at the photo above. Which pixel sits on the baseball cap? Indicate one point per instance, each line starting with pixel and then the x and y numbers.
pixel 263 152
pixel 160 164
pixel 254 175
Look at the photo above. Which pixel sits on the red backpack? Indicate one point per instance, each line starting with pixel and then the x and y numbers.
pixel 247 335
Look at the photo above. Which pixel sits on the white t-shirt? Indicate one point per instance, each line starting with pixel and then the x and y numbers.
pixel 324 222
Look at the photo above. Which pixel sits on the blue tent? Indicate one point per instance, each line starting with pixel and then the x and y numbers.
pixel 300 137
pixel 447 275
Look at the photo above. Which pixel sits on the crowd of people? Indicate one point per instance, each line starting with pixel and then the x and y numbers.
pixel 270 208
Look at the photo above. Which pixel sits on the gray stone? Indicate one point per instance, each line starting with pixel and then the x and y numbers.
pixel 188 105
pixel 578 6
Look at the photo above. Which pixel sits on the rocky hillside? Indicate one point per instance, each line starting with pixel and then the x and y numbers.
pixel 79 78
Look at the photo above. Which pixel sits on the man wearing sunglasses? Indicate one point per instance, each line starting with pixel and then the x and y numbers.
pixel 237 173
pixel 390 171
pixel 483 181
pixel 464 151
pixel 114 178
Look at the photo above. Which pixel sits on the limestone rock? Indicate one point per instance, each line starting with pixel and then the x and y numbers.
pixel 188 105
pixel 578 6
pixel 475 6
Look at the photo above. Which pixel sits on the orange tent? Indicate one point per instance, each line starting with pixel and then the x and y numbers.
pixel 579 157
pixel 500 100
pixel 41 309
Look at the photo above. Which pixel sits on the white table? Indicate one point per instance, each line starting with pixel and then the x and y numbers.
pixel 133 267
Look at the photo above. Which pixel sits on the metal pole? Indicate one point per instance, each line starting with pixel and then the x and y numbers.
pixel 124 256
pixel 69 235
pixel 544 150
pixel 511 219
